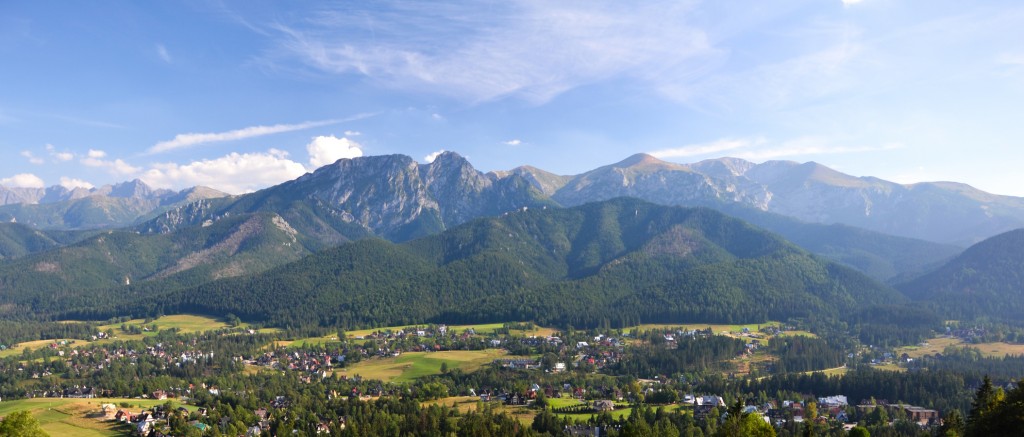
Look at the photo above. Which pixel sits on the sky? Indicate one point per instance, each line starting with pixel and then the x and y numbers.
pixel 243 95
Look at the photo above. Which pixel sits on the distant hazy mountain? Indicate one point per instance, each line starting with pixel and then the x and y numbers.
pixel 942 212
pixel 109 206
pixel 987 279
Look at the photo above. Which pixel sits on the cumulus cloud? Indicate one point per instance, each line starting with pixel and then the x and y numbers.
pixel 59 156
pixel 191 139
pixel 325 150
pixel 514 142
pixel 25 180
pixel 714 147
pixel 32 158
pixel 117 166
pixel 72 183
pixel 431 157
pixel 234 173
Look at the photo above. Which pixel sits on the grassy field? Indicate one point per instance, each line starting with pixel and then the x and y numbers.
pixel 469 403
pixel 487 328
pixel 526 414
pixel 74 417
pixel 184 322
pixel 999 349
pixel 835 371
pixel 718 328
pixel 938 344
pixel 412 365
pixel 18 348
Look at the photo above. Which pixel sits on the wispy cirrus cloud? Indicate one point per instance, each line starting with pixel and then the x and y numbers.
pixel 810 146
pixel 162 52
pixel 761 148
pixel 481 51
pixel 714 147
pixel 191 139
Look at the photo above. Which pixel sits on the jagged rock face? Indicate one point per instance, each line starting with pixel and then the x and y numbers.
pixel 395 197
pixel 382 193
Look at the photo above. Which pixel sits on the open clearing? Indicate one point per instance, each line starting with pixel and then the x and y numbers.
pixel 75 417
pixel 18 348
pixel 412 365
pixel 486 328
pixel 938 344
pixel 716 328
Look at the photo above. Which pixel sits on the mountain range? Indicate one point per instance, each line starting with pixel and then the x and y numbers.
pixel 109 206
pixel 615 262
pixel 198 238
pixel 395 197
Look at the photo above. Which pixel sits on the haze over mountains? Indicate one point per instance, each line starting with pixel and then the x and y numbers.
pixel 198 235
pixel 79 208
pixel 419 199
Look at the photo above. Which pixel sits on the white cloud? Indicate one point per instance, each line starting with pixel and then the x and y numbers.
pixel 431 157
pixel 191 139
pixel 806 146
pixel 513 142
pixel 32 158
pixel 437 116
pixel 714 147
pixel 352 133
pixel 162 52
pixel 96 154
pixel 26 180
pixel 59 156
pixel 851 2
pixel 325 150
pixel 118 166
pixel 72 183
pixel 234 173
pixel 776 85
pixel 760 148
pixel 484 51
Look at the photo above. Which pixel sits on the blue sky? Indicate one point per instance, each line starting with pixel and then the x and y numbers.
pixel 243 95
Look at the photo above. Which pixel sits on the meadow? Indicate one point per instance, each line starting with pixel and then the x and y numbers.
pixel 411 365
pixel 76 417
pixel 938 344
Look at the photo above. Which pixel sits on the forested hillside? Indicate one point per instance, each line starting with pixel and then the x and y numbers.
pixel 611 263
